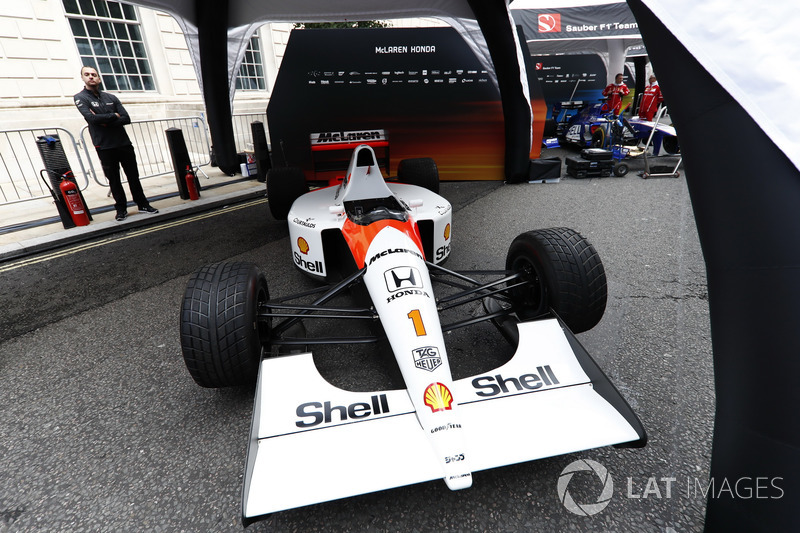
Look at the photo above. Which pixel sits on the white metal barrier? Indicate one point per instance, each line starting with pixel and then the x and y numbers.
pixel 152 150
pixel 21 163
pixel 242 131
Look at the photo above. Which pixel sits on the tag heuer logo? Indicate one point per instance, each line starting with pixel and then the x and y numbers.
pixel 427 358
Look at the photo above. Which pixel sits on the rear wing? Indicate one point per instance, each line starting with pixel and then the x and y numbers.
pixel 330 151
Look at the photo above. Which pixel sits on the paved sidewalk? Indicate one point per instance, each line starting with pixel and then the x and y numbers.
pixel 31 235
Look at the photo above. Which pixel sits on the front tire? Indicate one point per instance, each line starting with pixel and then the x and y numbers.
pixel 599 138
pixel 550 128
pixel 670 145
pixel 564 272
pixel 421 171
pixel 284 186
pixel 222 339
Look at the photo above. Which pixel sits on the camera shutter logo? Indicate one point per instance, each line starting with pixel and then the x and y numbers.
pixel 585 509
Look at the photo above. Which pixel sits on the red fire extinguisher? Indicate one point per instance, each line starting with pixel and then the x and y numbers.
pixel 69 191
pixel 191 184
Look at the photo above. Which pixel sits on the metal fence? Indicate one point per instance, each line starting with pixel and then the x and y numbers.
pixel 21 163
pixel 152 150
pixel 242 131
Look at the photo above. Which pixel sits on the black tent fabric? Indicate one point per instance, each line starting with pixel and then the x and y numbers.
pixel 497 28
pixel 212 29
pixel 745 192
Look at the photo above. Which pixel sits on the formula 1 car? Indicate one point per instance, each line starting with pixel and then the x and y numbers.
pixel 312 442
pixel 593 126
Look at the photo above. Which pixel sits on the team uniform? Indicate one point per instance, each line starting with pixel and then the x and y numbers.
pixel 651 99
pixel 114 147
pixel 615 93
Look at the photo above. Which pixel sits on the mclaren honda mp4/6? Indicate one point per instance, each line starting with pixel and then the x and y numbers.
pixel 387 240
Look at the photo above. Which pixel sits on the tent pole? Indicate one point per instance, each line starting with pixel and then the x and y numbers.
pixel 495 23
pixel 640 64
pixel 212 34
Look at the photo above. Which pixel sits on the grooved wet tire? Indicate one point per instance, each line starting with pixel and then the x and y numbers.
pixel 284 186
pixel 565 274
pixel 421 171
pixel 221 336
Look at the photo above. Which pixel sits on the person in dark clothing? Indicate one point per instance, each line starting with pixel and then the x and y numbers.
pixel 106 118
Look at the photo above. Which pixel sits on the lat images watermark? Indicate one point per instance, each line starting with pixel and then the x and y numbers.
pixel 579 491
pixel 585 509
pixel 743 488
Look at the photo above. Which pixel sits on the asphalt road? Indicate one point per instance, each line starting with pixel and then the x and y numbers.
pixel 102 429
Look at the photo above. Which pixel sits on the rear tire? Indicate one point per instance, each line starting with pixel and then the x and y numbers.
pixel 284 186
pixel 222 338
pixel 620 169
pixel 565 274
pixel 421 171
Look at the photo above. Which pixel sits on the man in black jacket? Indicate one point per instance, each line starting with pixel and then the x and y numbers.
pixel 106 118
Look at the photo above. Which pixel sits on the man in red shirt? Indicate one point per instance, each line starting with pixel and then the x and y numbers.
pixel 651 99
pixel 615 92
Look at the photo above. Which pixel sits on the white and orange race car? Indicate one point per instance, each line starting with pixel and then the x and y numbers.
pixel 391 238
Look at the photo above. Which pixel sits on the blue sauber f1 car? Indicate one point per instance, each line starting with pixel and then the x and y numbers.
pixel 311 441
pixel 594 126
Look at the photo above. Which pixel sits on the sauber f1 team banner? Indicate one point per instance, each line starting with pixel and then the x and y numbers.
pixel 420 91
pixel 609 20
pixel 574 77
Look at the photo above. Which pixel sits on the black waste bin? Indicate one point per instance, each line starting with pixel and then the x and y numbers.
pixel 261 149
pixel 180 160
pixel 56 166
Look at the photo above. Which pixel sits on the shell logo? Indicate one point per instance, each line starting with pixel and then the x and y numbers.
pixel 447 232
pixel 303 245
pixel 438 397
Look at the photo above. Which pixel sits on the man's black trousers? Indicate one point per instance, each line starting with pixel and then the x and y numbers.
pixel 111 159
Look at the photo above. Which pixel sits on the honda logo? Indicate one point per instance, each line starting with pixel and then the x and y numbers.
pixel 402 278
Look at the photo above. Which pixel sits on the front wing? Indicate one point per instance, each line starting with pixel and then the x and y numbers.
pixel 311 442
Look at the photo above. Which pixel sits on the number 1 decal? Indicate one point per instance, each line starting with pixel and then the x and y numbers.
pixel 416 318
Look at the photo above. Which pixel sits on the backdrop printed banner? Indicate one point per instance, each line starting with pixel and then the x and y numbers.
pixel 576 77
pixel 422 86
